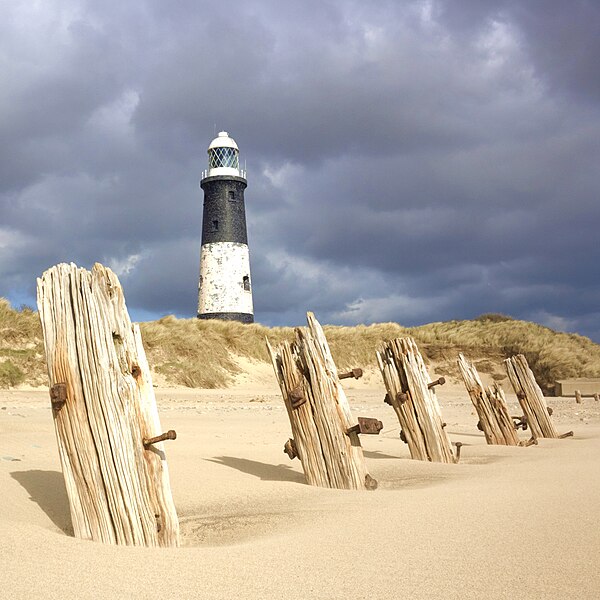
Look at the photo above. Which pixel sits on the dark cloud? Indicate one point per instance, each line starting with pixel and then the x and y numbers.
pixel 561 38
pixel 409 161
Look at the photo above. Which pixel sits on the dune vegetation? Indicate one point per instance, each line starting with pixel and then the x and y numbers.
pixel 21 347
pixel 205 354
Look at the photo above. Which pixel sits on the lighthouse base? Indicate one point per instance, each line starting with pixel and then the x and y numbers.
pixel 229 316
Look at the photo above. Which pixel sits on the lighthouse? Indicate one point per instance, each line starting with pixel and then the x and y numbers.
pixel 225 288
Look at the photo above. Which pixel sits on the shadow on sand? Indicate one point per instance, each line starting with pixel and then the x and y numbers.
pixel 47 490
pixel 265 471
pixel 378 454
pixel 465 434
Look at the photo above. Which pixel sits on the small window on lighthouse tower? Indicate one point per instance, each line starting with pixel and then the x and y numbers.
pixel 246 283
pixel 215 225
pixel 231 195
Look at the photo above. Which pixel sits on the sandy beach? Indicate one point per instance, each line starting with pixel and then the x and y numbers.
pixel 507 522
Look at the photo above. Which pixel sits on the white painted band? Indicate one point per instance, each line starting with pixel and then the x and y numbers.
pixel 225 284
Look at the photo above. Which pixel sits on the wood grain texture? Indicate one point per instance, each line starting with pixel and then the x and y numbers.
pixel 406 380
pixel 119 492
pixel 305 369
pixel 490 404
pixel 530 397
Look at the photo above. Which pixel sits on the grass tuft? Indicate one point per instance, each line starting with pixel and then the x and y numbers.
pixel 10 375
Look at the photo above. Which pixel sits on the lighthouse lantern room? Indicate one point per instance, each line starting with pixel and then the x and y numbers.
pixel 224 290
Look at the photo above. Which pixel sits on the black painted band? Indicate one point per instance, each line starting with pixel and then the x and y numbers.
pixel 224 215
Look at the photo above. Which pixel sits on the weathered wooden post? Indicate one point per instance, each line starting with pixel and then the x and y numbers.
pixel 325 433
pixel 490 404
pixel 411 393
pixel 578 396
pixel 104 410
pixel 531 399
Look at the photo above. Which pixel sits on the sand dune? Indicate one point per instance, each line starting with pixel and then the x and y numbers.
pixel 504 523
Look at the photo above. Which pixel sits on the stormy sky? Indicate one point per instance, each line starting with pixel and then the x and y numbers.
pixel 412 161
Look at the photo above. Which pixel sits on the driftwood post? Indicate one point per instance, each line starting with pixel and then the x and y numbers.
pixel 530 398
pixel 490 405
pixel 325 435
pixel 104 410
pixel 411 393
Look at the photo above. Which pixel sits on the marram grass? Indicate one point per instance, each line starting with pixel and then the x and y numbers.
pixel 199 353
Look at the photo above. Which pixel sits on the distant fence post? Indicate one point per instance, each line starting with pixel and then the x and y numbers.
pixel 411 393
pixel 104 410
pixel 490 405
pixel 325 433
pixel 530 398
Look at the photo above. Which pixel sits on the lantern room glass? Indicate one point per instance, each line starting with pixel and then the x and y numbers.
pixel 223 157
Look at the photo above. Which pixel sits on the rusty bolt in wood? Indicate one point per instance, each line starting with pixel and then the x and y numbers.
pixel 370 426
pixel 370 483
pixel 136 371
pixel 290 449
pixel 550 411
pixel 520 422
pixel 440 381
pixel 400 398
pixel 458 447
pixel 356 373
pixel 170 435
pixel 366 425
pixel 297 397
pixel 58 395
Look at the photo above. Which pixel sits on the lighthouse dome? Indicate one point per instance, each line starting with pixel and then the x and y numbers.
pixel 223 141
pixel 223 157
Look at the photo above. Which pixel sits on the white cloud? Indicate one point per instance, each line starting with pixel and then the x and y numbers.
pixel 114 118
pixel 13 244
pixel 405 308
pixel 283 176
pixel 556 322
pixel 123 266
